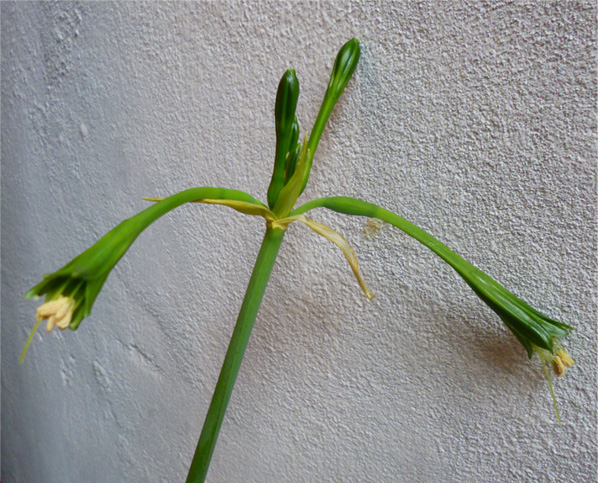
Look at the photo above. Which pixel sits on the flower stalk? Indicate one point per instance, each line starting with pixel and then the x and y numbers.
pixel 344 66
pixel 531 328
pixel 234 355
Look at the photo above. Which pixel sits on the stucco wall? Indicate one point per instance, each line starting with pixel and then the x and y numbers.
pixel 475 120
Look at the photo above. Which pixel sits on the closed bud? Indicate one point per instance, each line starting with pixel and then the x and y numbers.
pixel 287 130
pixel 286 103
pixel 344 66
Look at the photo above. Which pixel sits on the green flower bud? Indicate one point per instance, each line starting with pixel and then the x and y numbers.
pixel 344 66
pixel 286 103
pixel 287 130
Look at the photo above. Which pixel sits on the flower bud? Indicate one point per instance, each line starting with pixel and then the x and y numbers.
pixel 344 66
pixel 287 130
pixel 286 103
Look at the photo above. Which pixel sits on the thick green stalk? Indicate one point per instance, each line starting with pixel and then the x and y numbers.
pixel 234 355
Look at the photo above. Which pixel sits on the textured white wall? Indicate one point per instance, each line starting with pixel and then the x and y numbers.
pixel 475 120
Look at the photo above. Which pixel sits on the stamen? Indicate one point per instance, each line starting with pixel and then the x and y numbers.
pixel 66 319
pixel 565 358
pixel 59 312
pixel 51 323
pixel 49 308
pixel 556 408
pixel 557 365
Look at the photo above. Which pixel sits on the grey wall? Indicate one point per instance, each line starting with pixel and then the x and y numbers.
pixel 476 120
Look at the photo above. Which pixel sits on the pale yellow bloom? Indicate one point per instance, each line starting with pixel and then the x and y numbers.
pixel 58 312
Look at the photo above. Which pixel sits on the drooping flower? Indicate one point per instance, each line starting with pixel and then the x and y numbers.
pixel 536 332
pixel 532 329
pixel 71 291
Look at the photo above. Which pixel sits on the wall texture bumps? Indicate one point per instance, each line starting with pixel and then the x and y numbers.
pixel 475 120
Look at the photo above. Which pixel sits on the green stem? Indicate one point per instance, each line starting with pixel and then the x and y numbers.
pixel 151 214
pixel 234 355
pixel 352 206
pixel 114 244
pixel 316 134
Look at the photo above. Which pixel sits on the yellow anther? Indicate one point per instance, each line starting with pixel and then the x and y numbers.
pixel 565 358
pixel 50 308
pixel 558 366
pixel 59 313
